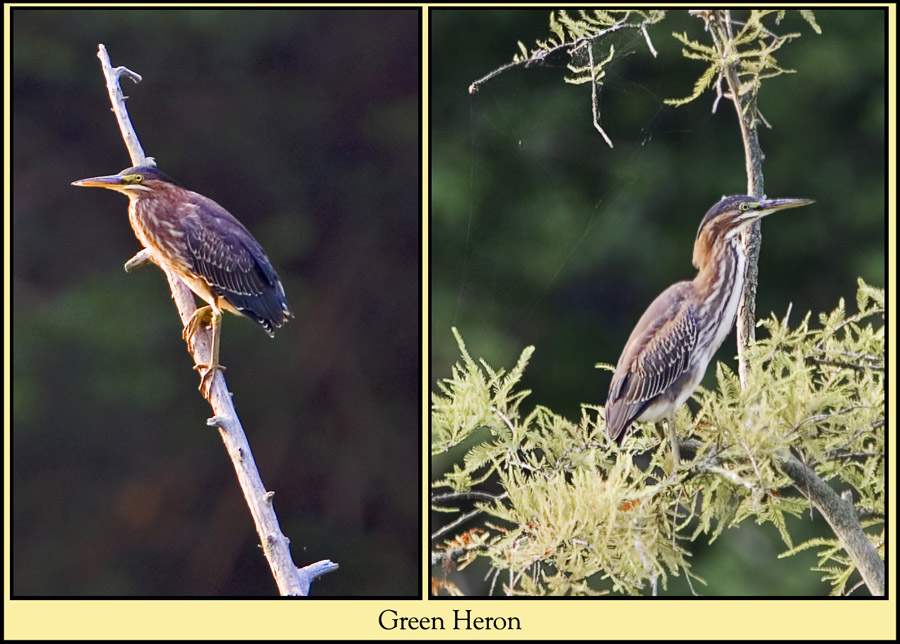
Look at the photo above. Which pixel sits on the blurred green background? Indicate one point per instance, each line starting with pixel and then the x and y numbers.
pixel 305 125
pixel 541 234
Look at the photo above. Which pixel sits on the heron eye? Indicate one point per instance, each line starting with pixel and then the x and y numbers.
pixel 134 178
pixel 745 205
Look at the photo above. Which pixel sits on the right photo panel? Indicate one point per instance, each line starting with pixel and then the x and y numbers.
pixel 657 266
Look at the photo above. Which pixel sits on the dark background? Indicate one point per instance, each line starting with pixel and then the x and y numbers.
pixel 541 234
pixel 305 125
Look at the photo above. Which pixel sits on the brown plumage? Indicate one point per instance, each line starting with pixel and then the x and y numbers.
pixel 211 251
pixel 666 355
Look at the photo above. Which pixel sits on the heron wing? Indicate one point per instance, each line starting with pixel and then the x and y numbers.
pixel 658 352
pixel 232 262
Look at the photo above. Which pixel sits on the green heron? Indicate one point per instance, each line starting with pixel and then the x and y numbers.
pixel 668 351
pixel 201 242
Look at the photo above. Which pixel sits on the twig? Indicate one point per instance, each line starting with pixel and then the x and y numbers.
pixel 452 554
pixel 856 317
pixel 647 38
pixel 595 99
pixel 472 495
pixel 291 580
pixel 463 518
pixel 539 56
pixel 112 76
pixel 847 365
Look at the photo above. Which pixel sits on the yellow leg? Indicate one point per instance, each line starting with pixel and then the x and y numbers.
pixel 212 317
pixel 206 375
pixel 673 439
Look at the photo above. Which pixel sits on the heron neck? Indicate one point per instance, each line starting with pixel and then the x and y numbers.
pixel 718 286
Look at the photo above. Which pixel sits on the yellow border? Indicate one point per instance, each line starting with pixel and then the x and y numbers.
pixel 357 619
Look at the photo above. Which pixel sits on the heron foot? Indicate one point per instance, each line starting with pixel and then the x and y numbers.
pixel 212 317
pixel 207 373
pixel 200 318
pixel 666 430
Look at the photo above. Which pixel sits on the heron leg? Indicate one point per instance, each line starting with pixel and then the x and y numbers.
pixel 673 439
pixel 212 317
pixel 209 372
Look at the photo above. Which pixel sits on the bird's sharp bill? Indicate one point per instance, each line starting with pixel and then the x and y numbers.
pixel 774 205
pixel 111 181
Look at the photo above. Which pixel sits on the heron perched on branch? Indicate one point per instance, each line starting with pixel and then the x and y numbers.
pixel 667 354
pixel 197 239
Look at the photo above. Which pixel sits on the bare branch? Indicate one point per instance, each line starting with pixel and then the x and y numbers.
pixel 720 29
pixel 595 100
pixel 842 517
pixel 841 514
pixel 112 77
pixel 649 43
pixel 291 580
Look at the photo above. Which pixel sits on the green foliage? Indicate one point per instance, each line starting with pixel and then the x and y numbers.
pixel 750 51
pixel 474 398
pixel 577 36
pixel 573 33
pixel 578 516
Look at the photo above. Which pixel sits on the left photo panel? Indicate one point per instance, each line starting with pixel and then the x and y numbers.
pixel 270 164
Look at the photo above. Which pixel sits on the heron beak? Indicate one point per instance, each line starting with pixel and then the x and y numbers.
pixel 112 181
pixel 768 206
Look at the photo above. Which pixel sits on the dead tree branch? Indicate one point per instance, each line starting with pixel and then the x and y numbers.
pixel 291 580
